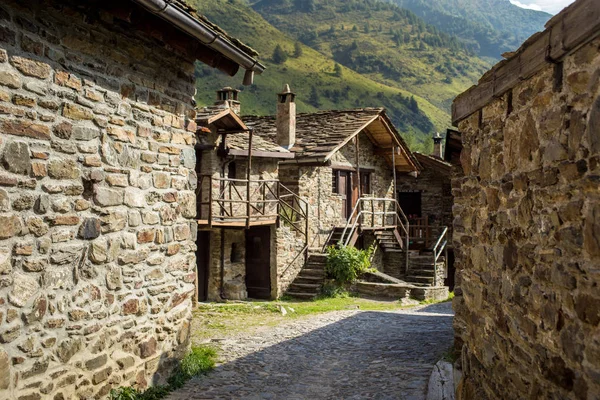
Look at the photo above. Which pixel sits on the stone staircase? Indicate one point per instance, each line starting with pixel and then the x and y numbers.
pixel 307 284
pixel 389 241
pixel 421 269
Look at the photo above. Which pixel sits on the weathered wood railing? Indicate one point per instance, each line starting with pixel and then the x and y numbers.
pixel 378 213
pixel 225 200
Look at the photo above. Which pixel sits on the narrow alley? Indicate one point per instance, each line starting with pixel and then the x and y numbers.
pixel 338 355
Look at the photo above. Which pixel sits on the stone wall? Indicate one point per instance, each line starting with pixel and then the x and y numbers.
pixel 436 198
pixel 527 229
pixel 96 231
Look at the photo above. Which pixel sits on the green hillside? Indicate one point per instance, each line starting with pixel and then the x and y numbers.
pixel 381 41
pixel 488 27
pixel 417 107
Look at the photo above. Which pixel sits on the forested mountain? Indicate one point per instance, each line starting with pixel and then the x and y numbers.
pixel 381 41
pixel 340 54
pixel 487 27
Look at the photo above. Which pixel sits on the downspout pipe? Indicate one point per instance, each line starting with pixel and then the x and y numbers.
pixel 184 21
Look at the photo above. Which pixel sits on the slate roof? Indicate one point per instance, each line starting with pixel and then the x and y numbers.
pixel 319 133
pixel 437 163
pixel 205 113
pixel 240 141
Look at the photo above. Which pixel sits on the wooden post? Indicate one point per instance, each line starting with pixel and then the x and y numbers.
pixel 356 150
pixel 394 185
pixel 278 204
pixel 210 201
pixel 248 178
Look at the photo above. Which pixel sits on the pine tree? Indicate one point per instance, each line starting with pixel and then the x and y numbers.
pixel 297 50
pixel 313 98
pixel 337 70
pixel 279 55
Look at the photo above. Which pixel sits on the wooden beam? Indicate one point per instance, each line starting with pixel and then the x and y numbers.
pixel 575 26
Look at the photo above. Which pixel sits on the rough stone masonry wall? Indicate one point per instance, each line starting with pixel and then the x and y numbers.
pixel 527 231
pixel 96 199
pixel 436 199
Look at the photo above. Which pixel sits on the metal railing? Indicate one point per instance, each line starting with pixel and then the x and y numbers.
pixel 439 247
pixel 390 219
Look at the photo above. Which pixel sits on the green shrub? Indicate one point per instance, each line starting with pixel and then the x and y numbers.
pixel 198 361
pixel 346 263
pixel 333 290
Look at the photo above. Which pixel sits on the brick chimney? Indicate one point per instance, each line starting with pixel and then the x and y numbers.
pixel 286 118
pixel 437 146
pixel 228 98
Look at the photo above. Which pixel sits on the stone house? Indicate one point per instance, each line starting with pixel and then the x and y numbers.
pixel 97 176
pixel 426 199
pixel 527 218
pixel 344 167
pixel 246 235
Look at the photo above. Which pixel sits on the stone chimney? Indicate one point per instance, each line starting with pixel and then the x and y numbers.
pixel 437 146
pixel 286 118
pixel 228 98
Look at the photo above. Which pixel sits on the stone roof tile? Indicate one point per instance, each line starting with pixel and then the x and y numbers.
pixel 319 133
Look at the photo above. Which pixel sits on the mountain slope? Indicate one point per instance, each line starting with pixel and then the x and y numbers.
pixel 488 27
pixel 381 41
pixel 312 76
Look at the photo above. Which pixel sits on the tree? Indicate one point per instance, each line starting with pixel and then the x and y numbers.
pixel 313 98
pixel 413 105
pixel 297 50
pixel 337 70
pixel 279 55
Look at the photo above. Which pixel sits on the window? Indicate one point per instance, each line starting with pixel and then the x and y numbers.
pixel 334 181
pixel 236 253
pixel 365 182
pixel 231 170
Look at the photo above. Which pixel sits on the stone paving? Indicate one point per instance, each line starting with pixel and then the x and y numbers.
pixel 339 355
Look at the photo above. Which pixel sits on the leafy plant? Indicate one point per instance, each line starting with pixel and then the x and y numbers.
pixel 333 290
pixel 346 263
pixel 198 361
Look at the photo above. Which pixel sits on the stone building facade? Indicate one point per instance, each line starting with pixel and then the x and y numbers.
pixel 527 218
pixel 97 203
pixel 226 271
pixel 340 157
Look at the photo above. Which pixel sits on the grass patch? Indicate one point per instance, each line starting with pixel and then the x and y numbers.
pixel 213 322
pixel 198 361
pixel 450 355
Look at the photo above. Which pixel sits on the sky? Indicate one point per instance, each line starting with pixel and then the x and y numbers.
pixel 550 6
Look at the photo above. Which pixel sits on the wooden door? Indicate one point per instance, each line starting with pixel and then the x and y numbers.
pixel 258 262
pixel 345 190
pixel 202 263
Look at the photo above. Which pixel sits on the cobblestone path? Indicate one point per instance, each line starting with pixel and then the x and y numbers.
pixel 339 355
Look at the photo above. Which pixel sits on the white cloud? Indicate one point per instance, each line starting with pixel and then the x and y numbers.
pixel 529 6
pixel 550 6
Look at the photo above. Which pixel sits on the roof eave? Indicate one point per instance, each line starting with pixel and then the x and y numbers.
pixel 204 34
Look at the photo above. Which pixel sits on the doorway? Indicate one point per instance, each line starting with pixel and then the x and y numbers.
pixel 343 187
pixel 202 264
pixel 258 262
pixel 410 202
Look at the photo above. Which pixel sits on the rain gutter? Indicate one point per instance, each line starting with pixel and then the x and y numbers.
pixel 171 13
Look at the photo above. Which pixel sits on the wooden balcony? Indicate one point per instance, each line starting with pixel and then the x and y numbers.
pixel 241 203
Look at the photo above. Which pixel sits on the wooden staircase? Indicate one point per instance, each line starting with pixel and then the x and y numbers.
pixel 308 282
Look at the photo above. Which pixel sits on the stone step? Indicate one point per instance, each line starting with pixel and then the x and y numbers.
pixel 302 295
pixel 305 287
pixel 311 272
pixel 420 279
pixel 308 279
pixel 317 255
